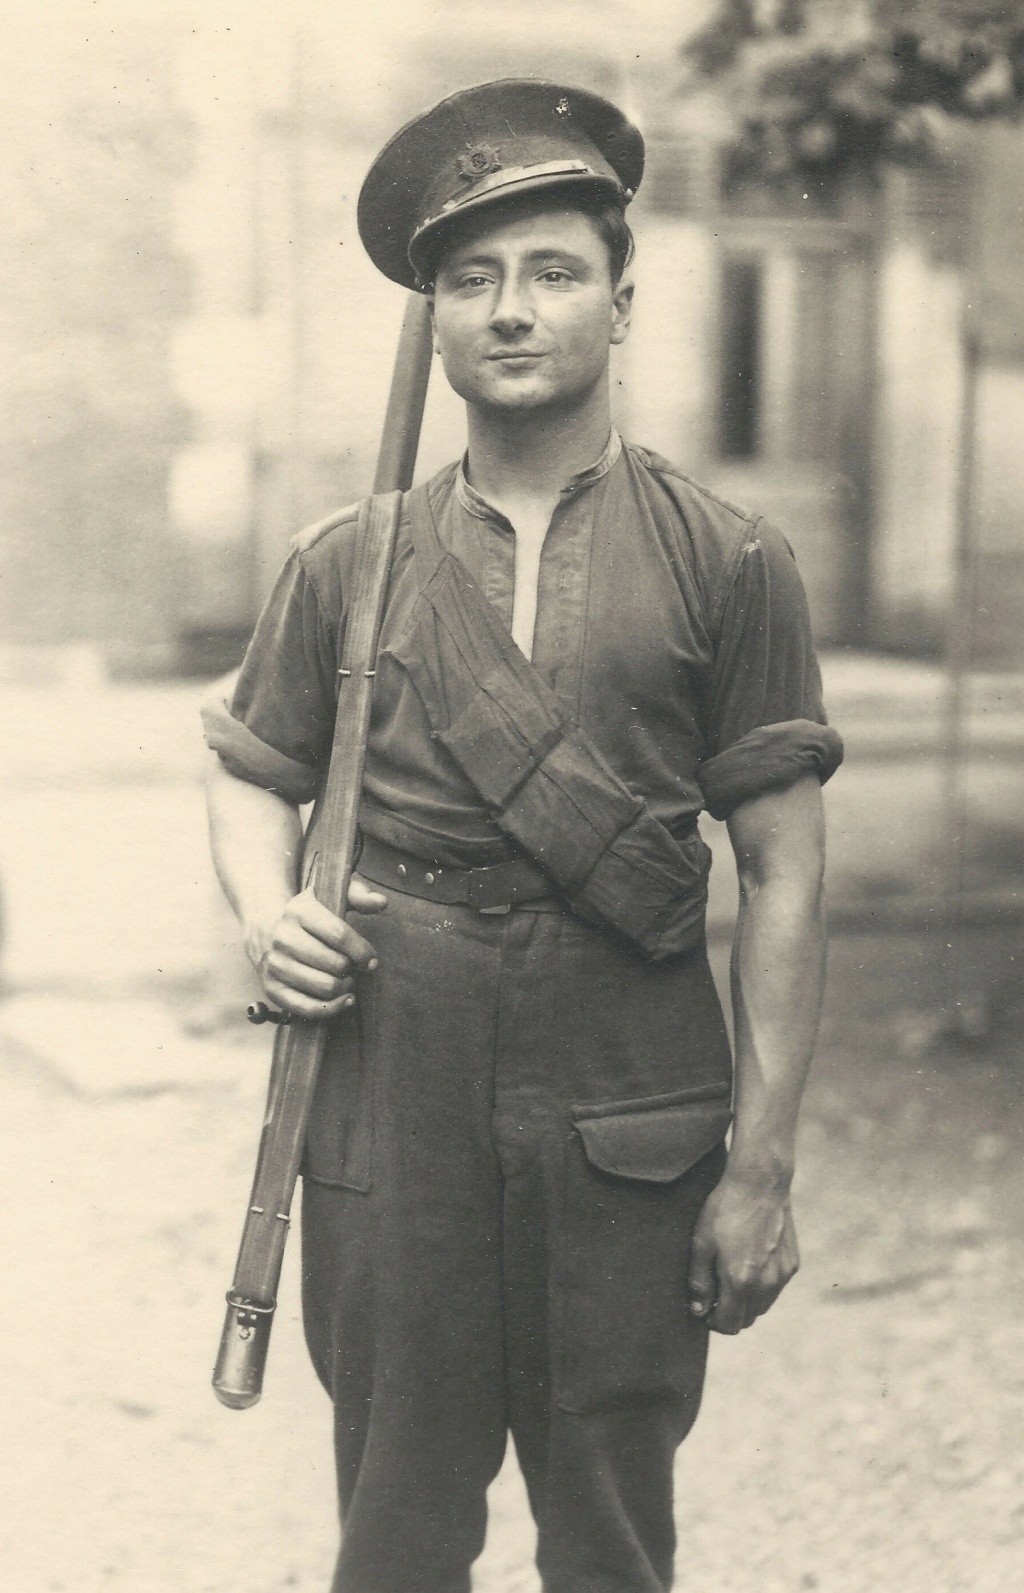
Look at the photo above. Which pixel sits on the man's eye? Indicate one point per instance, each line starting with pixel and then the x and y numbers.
pixel 474 280
pixel 557 275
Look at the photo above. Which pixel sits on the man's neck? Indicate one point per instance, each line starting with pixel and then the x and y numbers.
pixel 530 457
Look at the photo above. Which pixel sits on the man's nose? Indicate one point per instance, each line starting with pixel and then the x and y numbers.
pixel 512 310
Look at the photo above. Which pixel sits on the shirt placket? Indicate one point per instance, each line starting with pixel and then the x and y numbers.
pixel 486 543
pixel 498 572
pixel 562 594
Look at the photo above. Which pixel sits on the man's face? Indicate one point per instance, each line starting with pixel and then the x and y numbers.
pixel 525 311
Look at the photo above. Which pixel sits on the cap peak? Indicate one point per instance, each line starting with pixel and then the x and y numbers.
pixel 493 141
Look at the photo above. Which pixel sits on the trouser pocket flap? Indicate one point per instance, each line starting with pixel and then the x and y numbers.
pixel 638 1174
pixel 657 1139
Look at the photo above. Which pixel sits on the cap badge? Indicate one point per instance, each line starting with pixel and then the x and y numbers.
pixel 478 162
pixel 562 108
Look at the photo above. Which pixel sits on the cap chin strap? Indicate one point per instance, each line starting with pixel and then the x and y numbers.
pixel 511 177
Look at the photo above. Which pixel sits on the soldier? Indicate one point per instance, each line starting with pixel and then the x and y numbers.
pixel 519 1214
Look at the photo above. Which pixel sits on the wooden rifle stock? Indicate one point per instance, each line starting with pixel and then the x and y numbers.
pixel 299 1045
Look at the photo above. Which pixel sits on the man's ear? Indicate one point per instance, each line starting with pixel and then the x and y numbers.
pixel 622 309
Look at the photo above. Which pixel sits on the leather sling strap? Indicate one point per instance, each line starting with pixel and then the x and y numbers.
pixel 329 867
pixel 300 1046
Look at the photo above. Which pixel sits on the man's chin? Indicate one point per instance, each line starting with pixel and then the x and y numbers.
pixel 501 397
pixel 518 399
pixel 527 392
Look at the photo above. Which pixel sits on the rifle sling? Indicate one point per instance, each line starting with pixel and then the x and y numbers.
pixel 329 867
pixel 299 1047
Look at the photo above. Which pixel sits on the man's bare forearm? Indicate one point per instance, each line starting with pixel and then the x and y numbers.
pixel 256 841
pixel 778 969
pixel 778 972
pixel 744 1248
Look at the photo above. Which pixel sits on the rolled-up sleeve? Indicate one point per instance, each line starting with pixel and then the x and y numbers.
pixel 276 730
pixel 766 722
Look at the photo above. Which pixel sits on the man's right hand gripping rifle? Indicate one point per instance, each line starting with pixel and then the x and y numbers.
pixel 305 955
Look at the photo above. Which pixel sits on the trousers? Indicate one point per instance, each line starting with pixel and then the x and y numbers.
pixel 513 1135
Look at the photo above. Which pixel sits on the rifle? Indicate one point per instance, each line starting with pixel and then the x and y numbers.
pixel 299 1044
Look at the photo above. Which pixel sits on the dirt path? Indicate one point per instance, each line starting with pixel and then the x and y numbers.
pixel 865 1437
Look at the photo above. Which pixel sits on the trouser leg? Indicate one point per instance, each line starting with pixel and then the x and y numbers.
pixel 418 1425
pixel 402 1280
pixel 606 1519
pixel 605 1363
pixel 600 1476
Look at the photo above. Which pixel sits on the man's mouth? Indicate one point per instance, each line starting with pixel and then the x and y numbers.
pixel 516 354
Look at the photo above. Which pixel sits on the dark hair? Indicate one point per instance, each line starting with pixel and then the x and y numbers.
pixel 611 223
pixel 607 215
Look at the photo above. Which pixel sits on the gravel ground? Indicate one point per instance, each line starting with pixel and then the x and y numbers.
pixel 863 1437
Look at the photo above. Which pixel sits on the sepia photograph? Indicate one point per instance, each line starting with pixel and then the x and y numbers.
pixel 511 737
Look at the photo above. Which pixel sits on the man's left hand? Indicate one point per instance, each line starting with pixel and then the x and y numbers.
pixel 744 1252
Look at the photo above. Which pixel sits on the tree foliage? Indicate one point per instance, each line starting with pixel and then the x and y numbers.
pixel 818 88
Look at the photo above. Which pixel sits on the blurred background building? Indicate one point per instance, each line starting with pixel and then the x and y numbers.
pixel 197 352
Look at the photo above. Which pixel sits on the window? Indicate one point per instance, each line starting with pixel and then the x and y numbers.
pixel 739 415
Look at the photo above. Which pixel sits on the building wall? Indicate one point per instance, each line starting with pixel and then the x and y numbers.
pixel 90 285
pixel 196 352
pixel 997 575
pixel 918 437
pixel 949 521
pixel 996 572
pixel 666 381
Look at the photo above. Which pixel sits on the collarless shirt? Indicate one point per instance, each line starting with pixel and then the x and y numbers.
pixel 558 645
pixel 669 625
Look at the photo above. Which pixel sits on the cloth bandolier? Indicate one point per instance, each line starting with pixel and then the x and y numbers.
pixel 548 786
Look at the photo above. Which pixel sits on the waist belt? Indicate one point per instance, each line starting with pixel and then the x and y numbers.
pixel 489 890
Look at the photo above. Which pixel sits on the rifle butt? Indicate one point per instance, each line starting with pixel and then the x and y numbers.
pixel 242 1356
